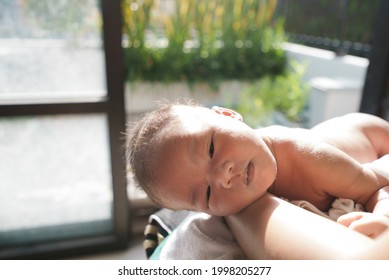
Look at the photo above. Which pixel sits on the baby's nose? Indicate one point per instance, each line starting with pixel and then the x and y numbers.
pixel 223 175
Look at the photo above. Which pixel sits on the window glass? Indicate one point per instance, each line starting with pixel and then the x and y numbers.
pixel 55 178
pixel 51 49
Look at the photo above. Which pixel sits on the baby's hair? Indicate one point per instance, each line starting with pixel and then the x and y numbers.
pixel 141 145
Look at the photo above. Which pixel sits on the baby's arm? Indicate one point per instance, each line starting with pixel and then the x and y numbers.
pixel 367 223
pixel 379 202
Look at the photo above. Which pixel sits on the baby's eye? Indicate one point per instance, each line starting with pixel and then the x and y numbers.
pixel 208 193
pixel 211 149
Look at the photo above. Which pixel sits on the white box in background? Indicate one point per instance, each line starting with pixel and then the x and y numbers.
pixel 331 97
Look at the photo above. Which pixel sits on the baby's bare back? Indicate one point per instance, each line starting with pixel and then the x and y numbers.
pixel 322 163
pixel 364 137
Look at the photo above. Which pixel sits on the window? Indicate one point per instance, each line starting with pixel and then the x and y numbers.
pixel 63 184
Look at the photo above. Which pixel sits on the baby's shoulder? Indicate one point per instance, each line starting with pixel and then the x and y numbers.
pixel 285 134
pixel 275 130
pixel 288 141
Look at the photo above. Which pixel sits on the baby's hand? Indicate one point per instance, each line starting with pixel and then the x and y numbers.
pixel 369 224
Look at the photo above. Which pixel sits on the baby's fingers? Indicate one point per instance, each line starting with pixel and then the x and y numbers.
pixel 371 225
pixel 349 218
pixel 369 228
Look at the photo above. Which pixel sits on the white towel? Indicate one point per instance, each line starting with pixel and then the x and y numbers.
pixel 339 207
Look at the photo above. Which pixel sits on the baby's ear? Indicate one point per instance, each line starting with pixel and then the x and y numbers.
pixel 227 112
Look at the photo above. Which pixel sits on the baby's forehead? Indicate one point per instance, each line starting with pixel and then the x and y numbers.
pixel 184 111
pixel 189 120
pixel 184 123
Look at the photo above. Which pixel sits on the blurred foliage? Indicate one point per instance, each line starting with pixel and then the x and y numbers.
pixel 202 41
pixel 281 93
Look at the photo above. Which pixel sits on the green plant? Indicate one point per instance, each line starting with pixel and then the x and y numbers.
pixel 283 93
pixel 206 41
pixel 136 19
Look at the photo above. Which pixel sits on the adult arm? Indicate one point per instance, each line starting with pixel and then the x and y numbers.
pixel 378 250
pixel 271 228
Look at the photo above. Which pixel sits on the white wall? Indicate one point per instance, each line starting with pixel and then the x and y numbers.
pixel 336 81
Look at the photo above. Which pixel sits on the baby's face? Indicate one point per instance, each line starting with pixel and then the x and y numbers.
pixel 212 163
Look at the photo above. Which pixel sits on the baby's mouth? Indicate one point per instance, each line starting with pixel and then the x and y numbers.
pixel 249 174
